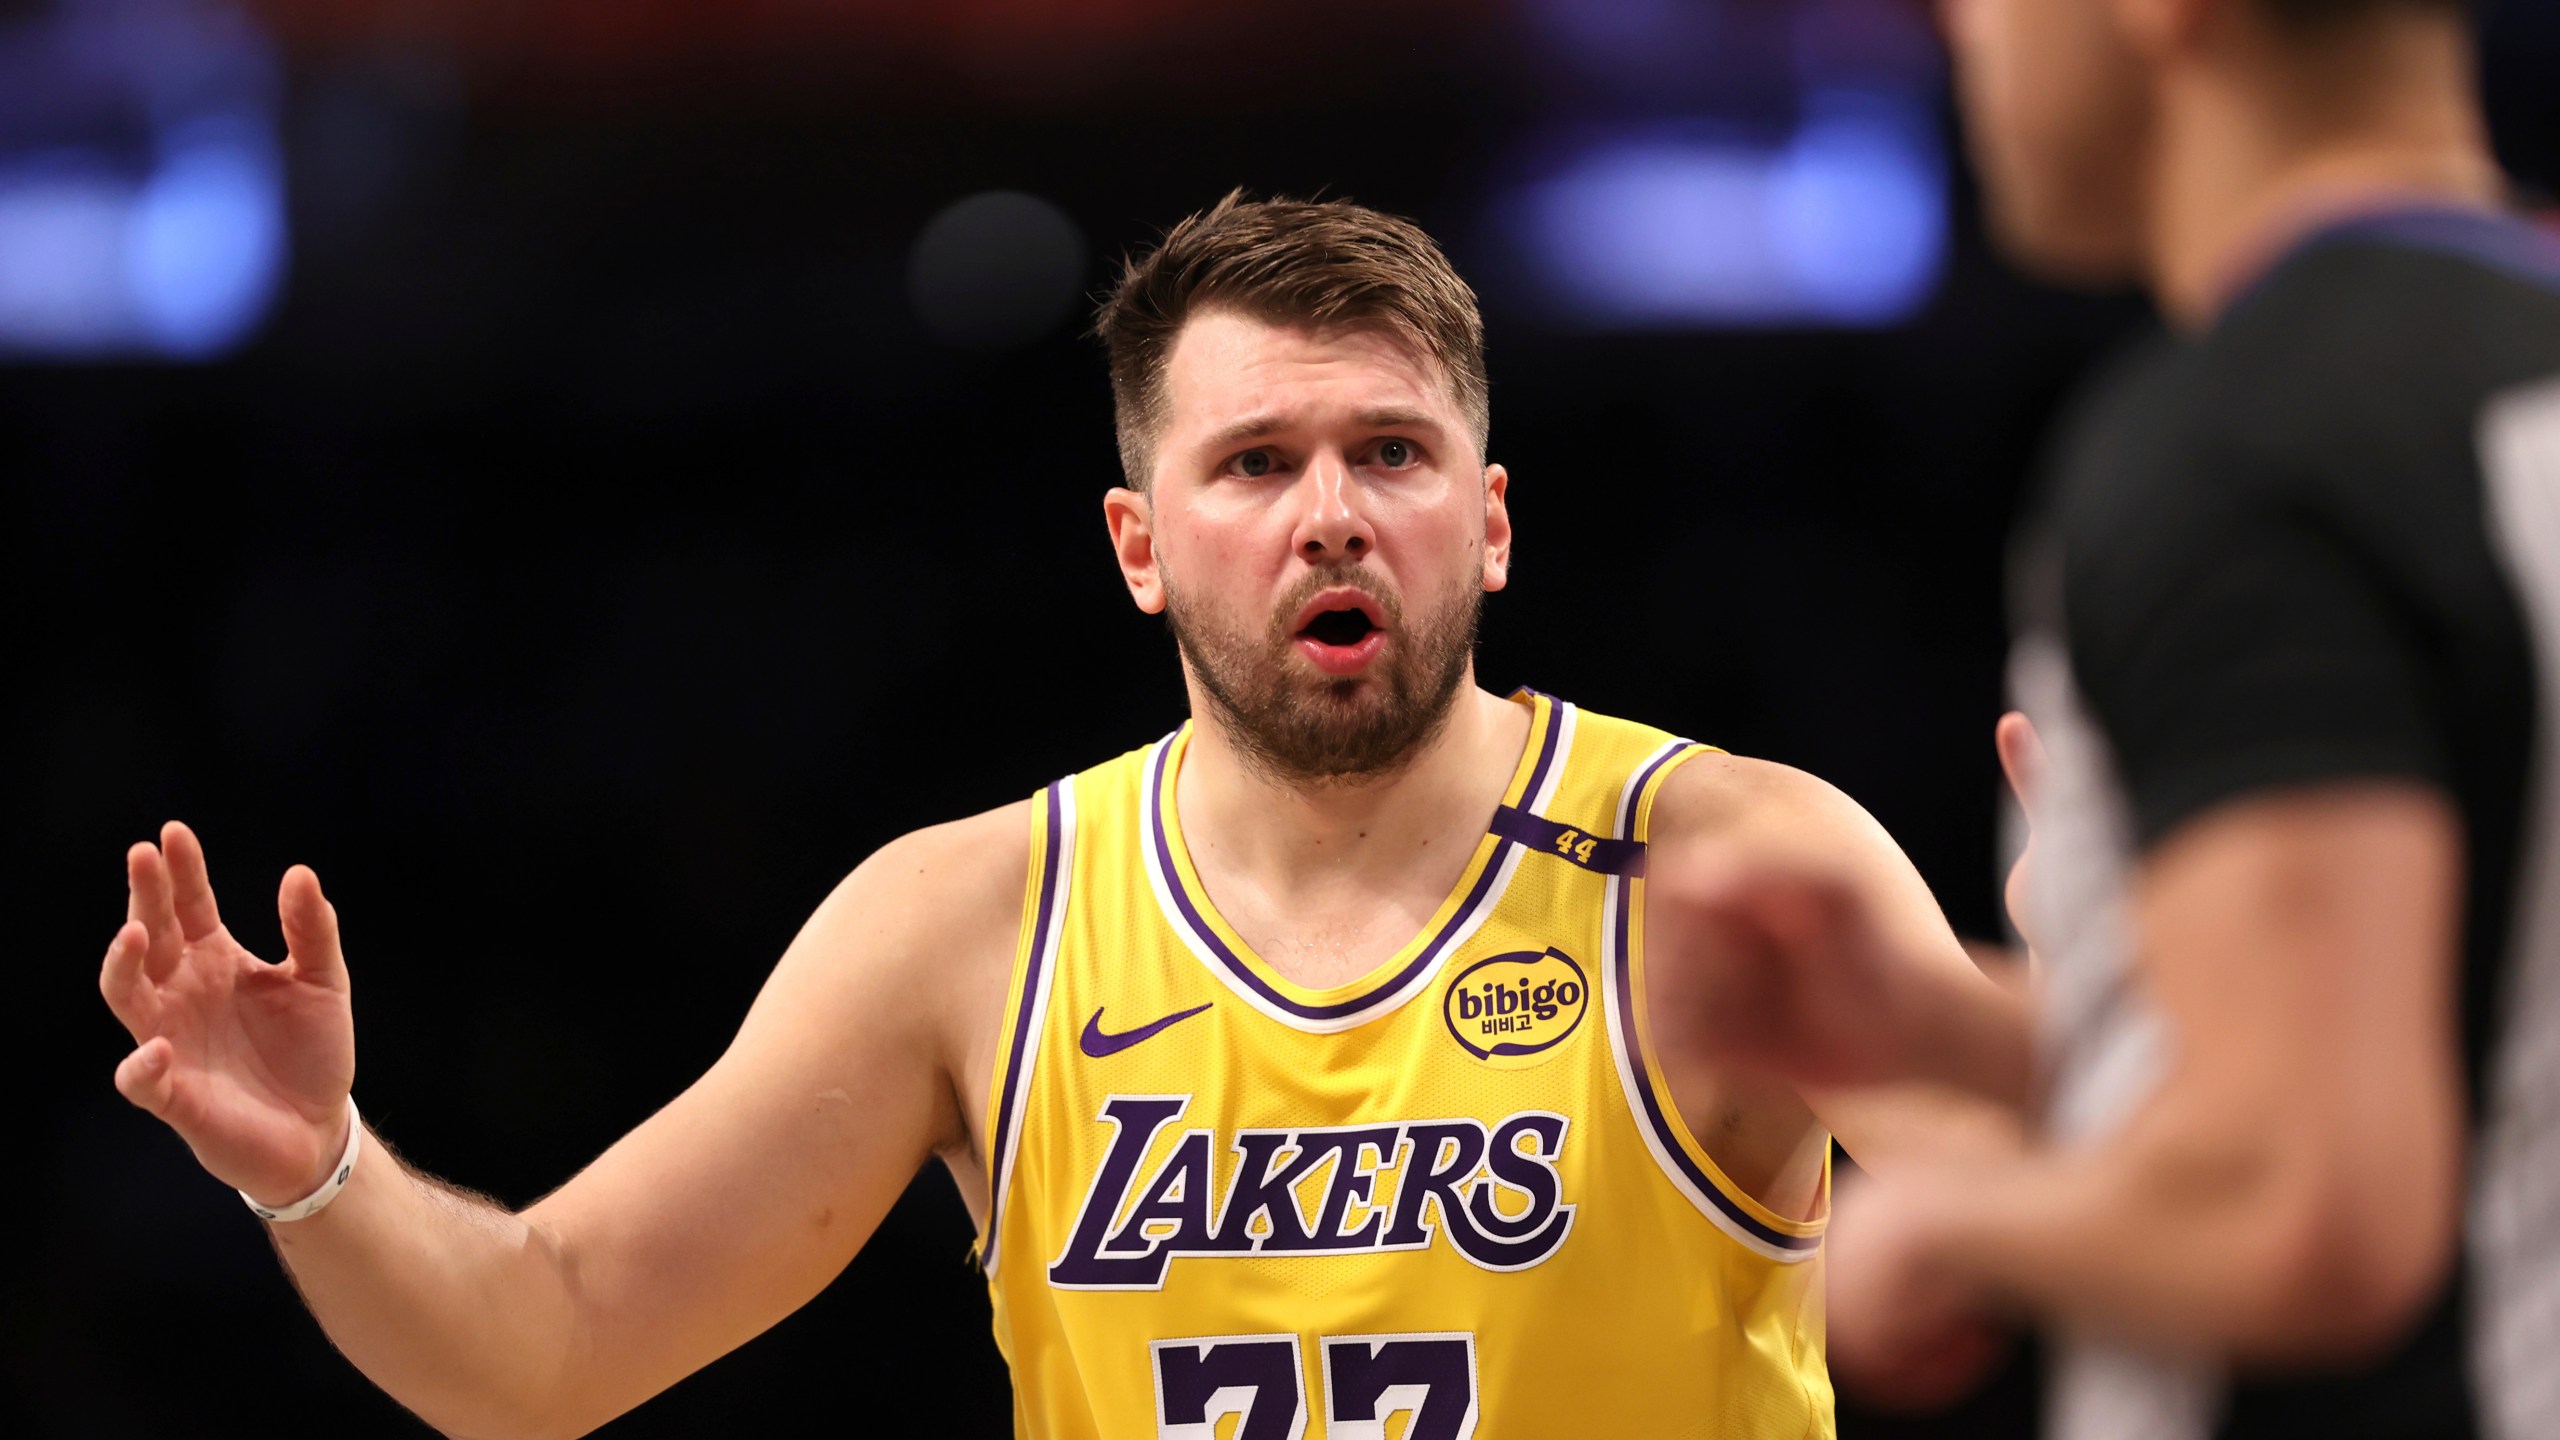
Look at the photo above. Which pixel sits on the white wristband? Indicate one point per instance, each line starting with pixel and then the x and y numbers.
pixel 318 1200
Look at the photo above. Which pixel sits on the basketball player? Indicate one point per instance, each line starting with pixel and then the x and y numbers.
pixel 2291 631
pixel 1296 1067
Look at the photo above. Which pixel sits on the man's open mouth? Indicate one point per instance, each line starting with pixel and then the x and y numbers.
pixel 1341 631
pixel 1339 627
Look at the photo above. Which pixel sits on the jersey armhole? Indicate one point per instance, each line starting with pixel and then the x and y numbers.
pixel 1026 1002
pixel 1667 1134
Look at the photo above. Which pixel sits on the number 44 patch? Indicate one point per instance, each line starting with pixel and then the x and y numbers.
pixel 1368 1380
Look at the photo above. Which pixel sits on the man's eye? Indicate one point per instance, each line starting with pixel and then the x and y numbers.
pixel 1395 454
pixel 1254 462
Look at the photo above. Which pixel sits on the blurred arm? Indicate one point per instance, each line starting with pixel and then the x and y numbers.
pixel 1790 940
pixel 719 1215
pixel 2292 1191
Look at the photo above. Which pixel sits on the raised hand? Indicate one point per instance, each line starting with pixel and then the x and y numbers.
pixel 249 1062
pixel 1780 968
pixel 1820 959
pixel 1903 1334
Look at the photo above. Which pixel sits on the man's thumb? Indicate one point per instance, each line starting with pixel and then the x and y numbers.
pixel 310 929
pixel 2022 756
pixel 145 1077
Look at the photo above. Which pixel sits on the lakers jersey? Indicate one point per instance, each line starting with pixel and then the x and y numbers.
pixel 1449 1199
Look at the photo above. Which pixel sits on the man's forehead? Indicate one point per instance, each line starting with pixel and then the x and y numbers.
pixel 1225 364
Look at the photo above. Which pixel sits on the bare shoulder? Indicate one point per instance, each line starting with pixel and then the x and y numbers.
pixel 916 937
pixel 898 979
pixel 959 873
pixel 1763 806
pixel 943 896
pixel 1722 811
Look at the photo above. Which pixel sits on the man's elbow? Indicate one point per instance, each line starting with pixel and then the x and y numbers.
pixel 545 1390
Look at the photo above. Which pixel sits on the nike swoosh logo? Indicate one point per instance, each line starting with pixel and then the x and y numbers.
pixel 1098 1042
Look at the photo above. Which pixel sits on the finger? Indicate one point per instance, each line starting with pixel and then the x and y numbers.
pixel 1730 975
pixel 121 981
pixel 2021 756
pixel 310 929
pixel 1782 894
pixel 1928 1370
pixel 148 1077
pixel 1780 904
pixel 1709 910
pixel 190 886
pixel 147 881
pixel 1802 911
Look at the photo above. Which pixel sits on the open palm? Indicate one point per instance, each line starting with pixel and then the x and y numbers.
pixel 249 1062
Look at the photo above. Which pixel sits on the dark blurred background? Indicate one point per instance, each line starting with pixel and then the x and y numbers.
pixel 582 473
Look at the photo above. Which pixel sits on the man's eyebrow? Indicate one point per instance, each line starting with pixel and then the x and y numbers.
pixel 1255 426
pixel 1246 429
pixel 1397 420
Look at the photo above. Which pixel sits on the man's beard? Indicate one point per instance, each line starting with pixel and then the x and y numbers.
pixel 1296 725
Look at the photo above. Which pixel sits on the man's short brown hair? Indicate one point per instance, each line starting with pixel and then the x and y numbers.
pixel 1286 262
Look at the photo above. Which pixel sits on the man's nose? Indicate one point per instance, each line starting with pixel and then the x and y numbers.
pixel 1333 522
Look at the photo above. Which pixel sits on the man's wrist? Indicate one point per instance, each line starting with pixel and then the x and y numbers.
pixel 332 1181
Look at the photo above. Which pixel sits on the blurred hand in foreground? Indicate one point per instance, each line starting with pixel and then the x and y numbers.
pixel 1902 1334
pixel 1783 966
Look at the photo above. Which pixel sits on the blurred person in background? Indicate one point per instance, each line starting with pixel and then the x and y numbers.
pixel 1294 1068
pixel 2289 628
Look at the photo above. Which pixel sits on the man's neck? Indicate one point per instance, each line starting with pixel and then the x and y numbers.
pixel 2267 139
pixel 1294 837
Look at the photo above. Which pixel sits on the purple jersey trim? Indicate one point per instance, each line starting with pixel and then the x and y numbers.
pixel 1024 1017
pixel 1623 977
pixel 1543 836
pixel 1157 783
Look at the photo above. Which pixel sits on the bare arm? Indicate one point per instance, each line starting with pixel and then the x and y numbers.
pixel 1791 940
pixel 2292 1191
pixel 716 1217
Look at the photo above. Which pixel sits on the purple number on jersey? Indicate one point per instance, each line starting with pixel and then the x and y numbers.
pixel 1369 1378
pixel 1201 1381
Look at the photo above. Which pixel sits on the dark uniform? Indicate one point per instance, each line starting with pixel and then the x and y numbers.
pixel 2322 543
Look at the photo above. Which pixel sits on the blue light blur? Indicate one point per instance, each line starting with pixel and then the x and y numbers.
pixel 1642 49
pixel 1824 205
pixel 1843 223
pixel 142 200
pixel 204 248
pixel 1859 209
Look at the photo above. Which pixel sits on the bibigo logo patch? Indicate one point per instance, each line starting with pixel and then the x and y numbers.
pixel 1511 1009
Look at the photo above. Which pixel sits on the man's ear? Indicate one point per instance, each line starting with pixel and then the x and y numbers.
pixel 1497 527
pixel 1131 516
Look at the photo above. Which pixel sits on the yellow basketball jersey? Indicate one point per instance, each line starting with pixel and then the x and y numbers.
pixel 1448 1199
